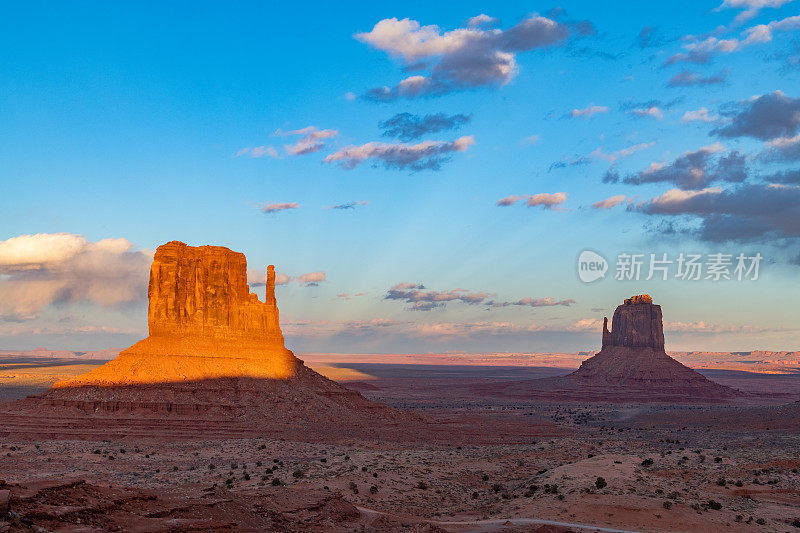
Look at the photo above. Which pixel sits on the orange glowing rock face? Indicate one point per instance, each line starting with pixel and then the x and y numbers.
pixel 204 323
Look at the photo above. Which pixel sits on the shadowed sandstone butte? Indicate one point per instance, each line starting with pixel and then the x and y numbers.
pixel 633 357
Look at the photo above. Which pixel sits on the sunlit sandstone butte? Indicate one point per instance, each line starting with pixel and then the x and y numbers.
pixel 204 324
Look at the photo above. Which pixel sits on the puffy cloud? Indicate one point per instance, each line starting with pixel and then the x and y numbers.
pixel 37 271
pixel 786 177
pixel 687 78
pixel 258 151
pixel 312 279
pixel 348 205
pixel 653 112
pixel 610 202
pixel 427 155
pixel 482 20
pixel 692 170
pixel 619 154
pixel 458 59
pixel 763 33
pixel 544 200
pixel 783 149
pixel 275 208
pixel 766 117
pixel 311 140
pixel 650 36
pixel 408 127
pixel 700 115
pixel 750 8
pixel 751 212
pixel 588 112
pixel 578 161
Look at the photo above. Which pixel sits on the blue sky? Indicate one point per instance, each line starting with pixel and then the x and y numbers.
pixel 186 121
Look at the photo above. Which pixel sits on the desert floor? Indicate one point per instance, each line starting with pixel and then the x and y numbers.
pixel 663 467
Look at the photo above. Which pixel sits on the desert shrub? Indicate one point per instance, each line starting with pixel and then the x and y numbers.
pixel 485 477
pixel 551 489
pixel 276 482
pixel 721 482
pixel 796 522
pixel 474 495
pixel 323 460
pixel 714 504
pixel 739 483
pixel 497 487
pixel 647 462
pixel 422 485
pixel 246 476
pixel 717 459
pixel 297 474
pixel 760 521
pixel 600 483
pixel 373 489
pixel 363 468
pixel 667 504
pixel 211 467
pixel 258 463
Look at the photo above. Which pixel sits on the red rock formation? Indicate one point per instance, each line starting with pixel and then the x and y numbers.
pixel 633 357
pixel 213 348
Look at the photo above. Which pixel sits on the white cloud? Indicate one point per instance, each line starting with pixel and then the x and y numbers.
pixel 258 151
pixel 700 115
pixel 610 202
pixel 625 152
pixel 653 112
pixel 311 140
pixel 463 58
pixel 750 8
pixel 37 271
pixel 275 208
pixel 589 111
pixel 424 155
pixel 544 200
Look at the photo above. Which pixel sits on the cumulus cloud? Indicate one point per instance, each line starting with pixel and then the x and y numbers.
pixel 619 154
pixel 275 208
pixel 588 112
pixel 751 212
pixel 765 117
pixel 37 271
pixel 459 59
pixel 750 8
pixel 699 115
pixel 544 200
pixel 687 78
pixel 610 202
pixel 653 112
pixel 427 155
pixel 258 151
pixel 408 127
pixel 421 299
pixel 311 140
pixel 348 205
pixel 692 170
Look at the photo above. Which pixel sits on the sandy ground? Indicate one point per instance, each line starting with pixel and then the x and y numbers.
pixel 663 468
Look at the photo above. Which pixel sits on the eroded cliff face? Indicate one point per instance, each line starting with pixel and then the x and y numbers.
pixel 637 325
pixel 202 291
